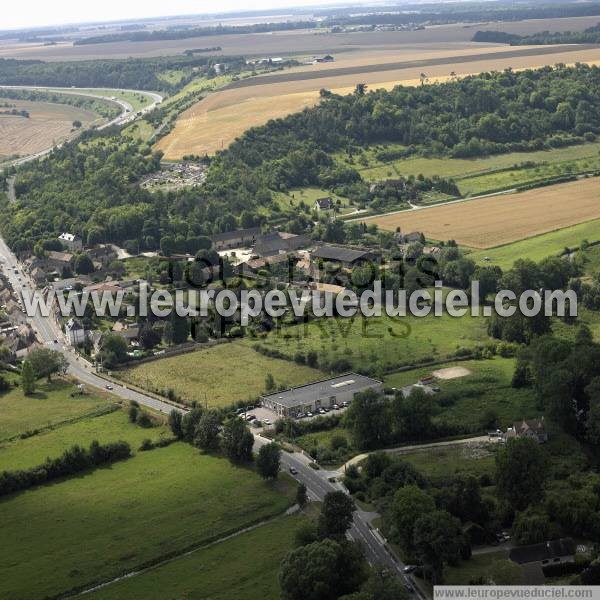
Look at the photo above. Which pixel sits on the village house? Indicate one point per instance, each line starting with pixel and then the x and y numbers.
pixel 532 559
pixel 323 204
pixel 71 242
pixel 103 255
pixel 59 262
pixel 240 238
pixel 534 429
pixel 75 332
pixel 252 267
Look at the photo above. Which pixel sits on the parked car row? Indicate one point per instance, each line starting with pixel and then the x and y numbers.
pixel 323 410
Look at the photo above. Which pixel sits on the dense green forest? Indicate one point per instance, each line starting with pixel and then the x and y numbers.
pixel 92 189
pixel 591 35
pixel 130 73
pixel 104 108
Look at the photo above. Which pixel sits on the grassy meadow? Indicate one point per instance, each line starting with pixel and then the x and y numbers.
pixel 539 247
pixel 467 398
pixel 100 524
pixel 383 342
pixel 108 428
pixel 242 567
pixel 51 404
pixel 219 376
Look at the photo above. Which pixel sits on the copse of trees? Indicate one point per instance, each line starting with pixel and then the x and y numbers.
pixel 591 35
pixel 74 460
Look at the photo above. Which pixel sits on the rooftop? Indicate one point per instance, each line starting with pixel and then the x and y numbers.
pixel 339 253
pixel 304 394
pixel 236 234
pixel 544 551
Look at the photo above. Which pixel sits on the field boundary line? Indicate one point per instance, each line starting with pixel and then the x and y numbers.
pixel 161 561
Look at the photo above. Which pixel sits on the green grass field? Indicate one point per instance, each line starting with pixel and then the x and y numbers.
pixel 539 247
pixel 219 376
pixel 488 387
pixel 447 461
pixel 389 343
pixel 309 195
pixel 464 167
pixel 51 404
pixel 491 565
pixel 113 427
pixel 100 524
pixel 243 567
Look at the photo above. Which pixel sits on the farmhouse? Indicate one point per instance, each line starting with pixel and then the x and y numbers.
pixel 70 241
pixel 320 394
pixel 279 242
pixel 235 239
pixel 57 261
pixel 534 429
pixel 347 257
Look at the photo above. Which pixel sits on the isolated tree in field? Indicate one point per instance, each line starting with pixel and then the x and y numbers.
pixel 47 362
pixel 322 571
pixel 521 472
pixel 336 514
pixel 268 461
pixel 175 418
pixel 301 496
pixel 207 431
pixel 133 413
pixel 76 124
pixel 27 378
pixel 237 440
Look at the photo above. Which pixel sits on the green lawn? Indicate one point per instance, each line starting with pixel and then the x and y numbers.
pixel 539 247
pixel 379 341
pixel 308 195
pixel 219 376
pixel 51 404
pixel 492 565
pixel 113 427
pixel 244 567
pixel 488 387
pixel 102 523
pixel 447 461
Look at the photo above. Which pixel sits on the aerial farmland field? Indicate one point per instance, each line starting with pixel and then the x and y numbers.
pixel 490 222
pixel 47 124
pixel 218 376
pixel 219 119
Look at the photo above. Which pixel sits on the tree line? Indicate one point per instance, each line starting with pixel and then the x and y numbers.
pixel 74 460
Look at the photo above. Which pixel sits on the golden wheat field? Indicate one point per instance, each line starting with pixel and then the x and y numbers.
pixel 219 119
pixel 491 222
pixel 46 125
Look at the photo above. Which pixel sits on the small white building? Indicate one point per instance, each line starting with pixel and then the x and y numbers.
pixel 71 241
pixel 75 332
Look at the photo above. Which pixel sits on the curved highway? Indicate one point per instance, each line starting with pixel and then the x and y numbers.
pixel 127 113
